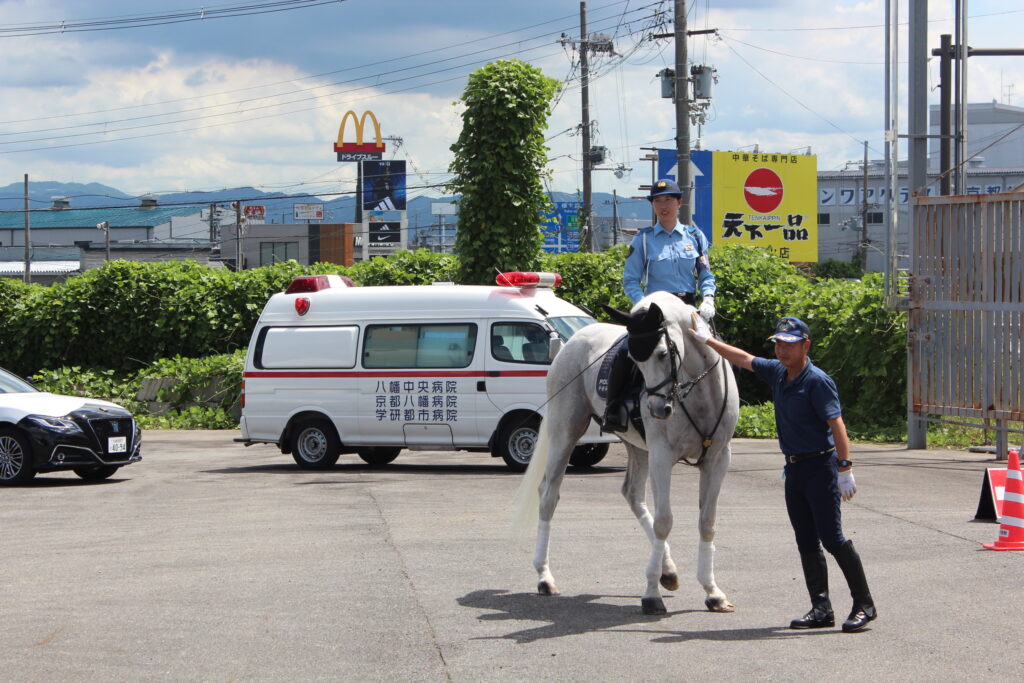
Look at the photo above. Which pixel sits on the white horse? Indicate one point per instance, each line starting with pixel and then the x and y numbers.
pixel 689 405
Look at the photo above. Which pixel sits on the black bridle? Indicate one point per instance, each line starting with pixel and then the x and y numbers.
pixel 678 390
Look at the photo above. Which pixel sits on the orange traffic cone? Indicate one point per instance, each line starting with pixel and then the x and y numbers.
pixel 1011 524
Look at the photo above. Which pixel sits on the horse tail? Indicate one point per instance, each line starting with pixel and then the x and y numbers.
pixel 527 500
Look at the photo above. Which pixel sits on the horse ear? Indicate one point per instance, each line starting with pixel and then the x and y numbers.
pixel 654 316
pixel 621 317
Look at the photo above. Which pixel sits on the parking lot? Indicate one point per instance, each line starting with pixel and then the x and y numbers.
pixel 210 561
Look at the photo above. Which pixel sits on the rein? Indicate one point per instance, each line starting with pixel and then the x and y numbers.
pixel 680 390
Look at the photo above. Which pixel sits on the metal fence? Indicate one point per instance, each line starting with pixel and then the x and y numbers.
pixel 966 310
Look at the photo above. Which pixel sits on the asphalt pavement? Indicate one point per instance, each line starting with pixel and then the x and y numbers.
pixel 215 562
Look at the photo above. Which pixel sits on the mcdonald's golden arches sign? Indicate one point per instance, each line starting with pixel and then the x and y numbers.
pixel 360 150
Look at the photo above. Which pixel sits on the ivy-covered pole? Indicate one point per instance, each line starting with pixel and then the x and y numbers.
pixel 499 158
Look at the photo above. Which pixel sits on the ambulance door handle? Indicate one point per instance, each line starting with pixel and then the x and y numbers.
pixel 494 373
pixel 481 386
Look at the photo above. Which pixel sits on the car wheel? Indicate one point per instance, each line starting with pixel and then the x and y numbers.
pixel 16 466
pixel 516 441
pixel 315 444
pixel 378 456
pixel 97 473
pixel 588 454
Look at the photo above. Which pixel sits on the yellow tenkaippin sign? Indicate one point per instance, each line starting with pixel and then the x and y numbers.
pixel 767 200
pixel 359 150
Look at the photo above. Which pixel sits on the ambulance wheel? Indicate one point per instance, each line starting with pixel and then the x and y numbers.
pixel 516 441
pixel 378 456
pixel 315 444
pixel 588 455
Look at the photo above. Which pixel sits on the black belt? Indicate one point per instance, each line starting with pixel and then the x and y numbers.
pixel 804 456
pixel 687 297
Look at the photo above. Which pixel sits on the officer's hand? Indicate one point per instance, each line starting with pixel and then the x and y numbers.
pixel 700 329
pixel 707 308
pixel 847 486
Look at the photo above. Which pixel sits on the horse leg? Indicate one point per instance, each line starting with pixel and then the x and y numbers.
pixel 634 490
pixel 660 466
pixel 561 441
pixel 712 474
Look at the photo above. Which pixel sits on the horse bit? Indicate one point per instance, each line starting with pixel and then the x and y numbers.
pixel 680 390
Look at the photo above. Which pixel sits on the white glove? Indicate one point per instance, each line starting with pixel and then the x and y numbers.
pixel 700 329
pixel 847 486
pixel 707 308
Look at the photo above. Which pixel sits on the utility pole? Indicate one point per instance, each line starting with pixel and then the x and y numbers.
pixel 28 239
pixel 615 216
pixel 105 227
pixel 238 236
pixel 588 232
pixel 864 241
pixel 682 114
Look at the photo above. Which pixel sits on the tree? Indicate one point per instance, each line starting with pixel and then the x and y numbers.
pixel 499 158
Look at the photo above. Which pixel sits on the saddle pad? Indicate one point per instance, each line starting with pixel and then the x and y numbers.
pixel 606 365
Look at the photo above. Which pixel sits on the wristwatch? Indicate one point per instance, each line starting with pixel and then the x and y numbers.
pixel 846 463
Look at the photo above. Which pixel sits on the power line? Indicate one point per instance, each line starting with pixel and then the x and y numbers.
pixel 141 21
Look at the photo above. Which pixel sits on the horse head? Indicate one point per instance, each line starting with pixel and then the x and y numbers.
pixel 656 345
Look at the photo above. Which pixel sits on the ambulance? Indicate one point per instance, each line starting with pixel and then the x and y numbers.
pixel 335 369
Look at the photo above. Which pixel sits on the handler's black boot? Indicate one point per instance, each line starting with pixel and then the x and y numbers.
pixel 816 576
pixel 863 606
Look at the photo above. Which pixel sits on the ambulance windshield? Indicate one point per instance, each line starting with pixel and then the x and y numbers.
pixel 566 326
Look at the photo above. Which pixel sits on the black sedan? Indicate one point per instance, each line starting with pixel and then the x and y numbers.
pixel 43 432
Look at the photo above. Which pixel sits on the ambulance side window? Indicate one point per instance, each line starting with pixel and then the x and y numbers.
pixel 444 345
pixel 331 346
pixel 519 343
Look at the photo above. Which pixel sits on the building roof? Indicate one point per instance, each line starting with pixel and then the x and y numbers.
pixel 125 217
pixel 8 268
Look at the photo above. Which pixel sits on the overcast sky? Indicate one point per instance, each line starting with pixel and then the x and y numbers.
pixel 256 100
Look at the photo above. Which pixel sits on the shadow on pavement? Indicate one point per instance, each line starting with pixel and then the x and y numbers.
pixel 573 615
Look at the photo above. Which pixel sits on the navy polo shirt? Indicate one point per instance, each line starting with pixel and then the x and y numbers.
pixel 802 407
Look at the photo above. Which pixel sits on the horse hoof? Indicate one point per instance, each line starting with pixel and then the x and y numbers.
pixel 653 606
pixel 546 588
pixel 718 605
pixel 670 582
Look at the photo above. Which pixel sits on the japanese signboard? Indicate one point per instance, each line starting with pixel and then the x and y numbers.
pixel 254 213
pixel 360 150
pixel 308 212
pixel 766 200
pixel 384 185
pixel 561 228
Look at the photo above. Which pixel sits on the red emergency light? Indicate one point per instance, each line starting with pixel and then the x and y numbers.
pixel 308 283
pixel 527 279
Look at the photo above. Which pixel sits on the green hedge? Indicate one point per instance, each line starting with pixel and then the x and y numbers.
pixel 124 317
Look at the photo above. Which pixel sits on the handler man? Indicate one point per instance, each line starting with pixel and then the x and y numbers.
pixel 668 256
pixel 818 470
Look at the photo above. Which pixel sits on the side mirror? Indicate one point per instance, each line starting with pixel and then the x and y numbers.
pixel 554 346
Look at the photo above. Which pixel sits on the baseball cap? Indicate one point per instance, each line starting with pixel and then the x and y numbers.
pixel 790 329
pixel 664 186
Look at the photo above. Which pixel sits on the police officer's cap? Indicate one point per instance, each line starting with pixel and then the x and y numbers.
pixel 665 186
pixel 791 330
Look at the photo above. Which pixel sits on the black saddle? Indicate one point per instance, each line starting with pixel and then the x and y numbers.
pixel 620 382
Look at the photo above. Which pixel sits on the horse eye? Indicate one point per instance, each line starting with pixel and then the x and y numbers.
pixel 663 354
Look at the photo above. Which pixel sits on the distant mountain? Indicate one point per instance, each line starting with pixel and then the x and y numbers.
pixel 279 205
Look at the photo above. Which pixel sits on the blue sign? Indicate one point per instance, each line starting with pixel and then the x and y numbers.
pixel 561 228
pixel 700 170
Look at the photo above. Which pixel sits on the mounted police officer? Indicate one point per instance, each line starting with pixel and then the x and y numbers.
pixel 812 436
pixel 668 256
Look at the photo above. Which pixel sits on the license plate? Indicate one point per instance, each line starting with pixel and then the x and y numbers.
pixel 117 444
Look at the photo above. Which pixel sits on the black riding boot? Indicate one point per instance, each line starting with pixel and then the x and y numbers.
pixel 816 576
pixel 616 414
pixel 863 606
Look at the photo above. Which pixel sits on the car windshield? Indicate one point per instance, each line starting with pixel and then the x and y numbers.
pixel 568 325
pixel 10 384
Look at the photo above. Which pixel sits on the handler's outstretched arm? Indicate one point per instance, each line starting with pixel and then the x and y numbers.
pixel 734 355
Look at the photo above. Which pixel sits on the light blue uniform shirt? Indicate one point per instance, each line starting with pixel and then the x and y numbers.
pixel 675 261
